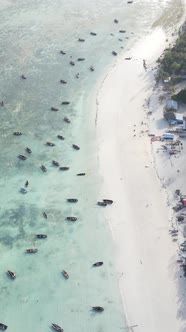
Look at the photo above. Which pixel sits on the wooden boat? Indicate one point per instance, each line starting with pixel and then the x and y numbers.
pixel 62 52
pixel 116 21
pixel 50 144
pixel 26 183
pixel 72 200
pixel 41 236
pixel 63 82
pixel 28 150
pixel 72 63
pixel 45 215
pixel 60 137
pixel 81 174
pixel 65 103
pixel 23 77
pixel 91 68
pixel 54 109
pixel 101 203
pixel 57 327
pixel 129 58
pixel 3 326
pixel 17 133
pixel 114 53
pixel 97 264
pixel 64 168
pixel 66 119
pixel 98 309
pixel 71 218
pixel 23 190
pixel 122 31
pixel 55 163
pixel 93 33
pixel 22 157
pixel 11 274
pixel 31 250
pixel 76 147
pixel 65 274
pixel 43 168
pixel 81 40
pixel 80 59
pixel 108 201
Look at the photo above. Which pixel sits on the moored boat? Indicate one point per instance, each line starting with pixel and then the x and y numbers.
pixel 81 40
pixel 65 103
pixel 41 236
pixel 54 109
pixel 97 264
pixel 122 31
pixel 28 150
pixel 31 250
pixel 91 68
pixel 116 21
pixel 80 59
pixel 17 133
pixel 72 63
pixel 93 33
pixel 60 137
pixel 71 218
pixel 114 53
pixel 65 274
pixel 23 190
pixel 63 82
pixel 20 156
pixel 55 163
pixel 62 52
pixel 72 200
pixel 108 201
pixel 50 144
pixel 3 326
pixel 57 327
pixel 66 119
pixel 101 203
pixel 98 309
pixel 23 77
pixel 45 215
pixel 43 168
pixel 11 274
pixel 81 174
pixel 76 147
pixel 64 168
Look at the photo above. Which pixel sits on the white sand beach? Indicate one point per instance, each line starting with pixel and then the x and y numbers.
pixel 139 218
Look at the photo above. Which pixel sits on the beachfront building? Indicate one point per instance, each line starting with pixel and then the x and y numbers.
pixel 171 105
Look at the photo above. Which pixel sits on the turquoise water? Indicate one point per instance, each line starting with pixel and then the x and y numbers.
pixel 32 34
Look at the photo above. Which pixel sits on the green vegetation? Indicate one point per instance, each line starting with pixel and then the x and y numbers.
pixel 173 62
pixel 180 96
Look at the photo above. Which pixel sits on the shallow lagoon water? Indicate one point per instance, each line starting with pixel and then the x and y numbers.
pixel 32 34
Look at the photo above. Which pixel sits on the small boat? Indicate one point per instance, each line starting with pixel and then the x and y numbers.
pixel 101 203
pixel 22 157
pixel 26 183
pixel 77 75
pixel 81 174
pixel 129 1
pixel 81 40
pixel 116 21
pixel 2 103
pixel 57 327
pixel 108 201
pixel 45 215
pixel 60 137
pixel 63 82
pixel 98 309
pixel 65 274
pixel 120 39
pixel 122 31
pixel 11 274
pixel 71 218
pixel 114 53
pixel 3 326
pixel 28 150
pixel 50 144
pixel 93 33
pixel 62 52
pixel 72 200
pixel 23 77
pixel 55 163
pixel 23 190
pixel 64 168
pixel 54 109
pixel 43 168
pixel 65 103
pixel 41 236
pixel 66 119
pixel 129 58
pixel 72 63
pixel 80 59
pixel 97 264
pixel 31 250
pixel 76 147
pixel 17 133
pixel 91 68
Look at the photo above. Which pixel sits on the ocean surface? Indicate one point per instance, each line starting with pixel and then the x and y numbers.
pixel 32 34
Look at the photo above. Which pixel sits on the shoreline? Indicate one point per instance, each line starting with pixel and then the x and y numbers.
pixel 145 307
